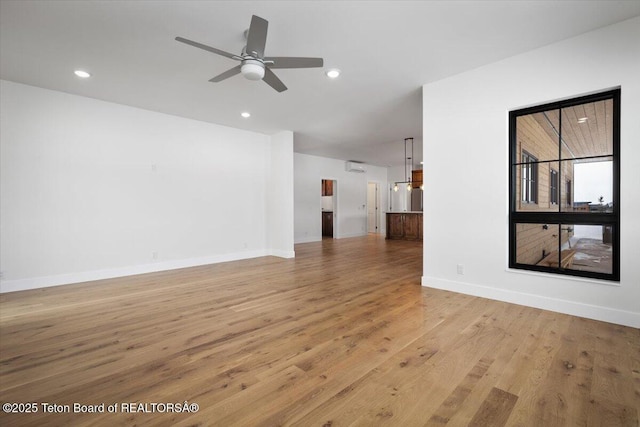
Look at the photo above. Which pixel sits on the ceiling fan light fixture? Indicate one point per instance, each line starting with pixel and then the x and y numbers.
pixel 252 69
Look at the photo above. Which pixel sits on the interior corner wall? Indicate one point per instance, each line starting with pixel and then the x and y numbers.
pixel 351 206
pixel 91 189
pixel 465 121
pixel 280 196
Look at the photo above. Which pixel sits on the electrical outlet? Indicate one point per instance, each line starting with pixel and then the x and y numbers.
pixel 460 269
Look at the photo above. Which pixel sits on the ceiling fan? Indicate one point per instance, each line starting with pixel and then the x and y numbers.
pixel 253 64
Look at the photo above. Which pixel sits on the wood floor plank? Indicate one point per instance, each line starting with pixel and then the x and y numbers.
pixel 515 318
pixel 495 410
pixel 456 399
pixel 343 334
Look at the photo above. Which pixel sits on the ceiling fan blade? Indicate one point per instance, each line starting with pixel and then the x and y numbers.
pixel 229 73
pixel 294 62
pixel 257 37
pixel 273 80
pixel 208 48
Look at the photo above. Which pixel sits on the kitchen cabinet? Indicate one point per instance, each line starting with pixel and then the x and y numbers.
pixel 411 224
pixel 327 224
pixel 416 178
pixel 327 187
pixel 395 226
pixel 404 225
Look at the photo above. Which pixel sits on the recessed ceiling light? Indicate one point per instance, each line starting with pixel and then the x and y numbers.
pixel 582 120
pixel 333 73
pixel 245 115
pixel 82 74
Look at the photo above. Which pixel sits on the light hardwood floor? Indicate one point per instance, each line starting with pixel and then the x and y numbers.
pixel 341 335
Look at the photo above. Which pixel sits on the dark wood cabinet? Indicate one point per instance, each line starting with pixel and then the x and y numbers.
pixel 416 178
pixel 411 226
pixel 327 224
pixel 404 226
pixel 327 187
pixel 395 226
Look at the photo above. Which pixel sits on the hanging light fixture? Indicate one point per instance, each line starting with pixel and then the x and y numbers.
pixel 408 162
pixel 408 165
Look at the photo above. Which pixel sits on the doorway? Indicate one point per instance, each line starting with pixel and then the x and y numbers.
pixel 373 207
pixel 329 207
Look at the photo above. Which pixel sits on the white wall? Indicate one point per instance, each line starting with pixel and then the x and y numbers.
pixel 91 189
pixel 351 204
pixel 465 121
pixel 280 196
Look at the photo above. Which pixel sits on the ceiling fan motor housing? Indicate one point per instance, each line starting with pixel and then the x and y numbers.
pixel 252 69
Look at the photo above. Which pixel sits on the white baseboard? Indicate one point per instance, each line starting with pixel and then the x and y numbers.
pixel 282 254
pixel 308 239
pixel 346 236
pixel 88 276
pixel 595 312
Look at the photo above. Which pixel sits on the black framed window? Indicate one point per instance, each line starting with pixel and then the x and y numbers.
pixel 564 187
pixel 553 186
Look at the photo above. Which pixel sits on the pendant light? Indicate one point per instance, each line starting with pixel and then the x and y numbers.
pixel 408 162
pixel 408 165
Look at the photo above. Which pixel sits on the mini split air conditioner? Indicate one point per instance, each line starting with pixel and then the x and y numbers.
pixel 353 166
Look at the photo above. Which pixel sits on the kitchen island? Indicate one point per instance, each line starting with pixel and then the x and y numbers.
pixel 404 225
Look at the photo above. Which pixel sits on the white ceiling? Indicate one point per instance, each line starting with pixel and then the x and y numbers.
pixel 386 50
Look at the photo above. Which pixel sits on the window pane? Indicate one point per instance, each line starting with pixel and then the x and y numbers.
pixel 537 187
pixel 593 246
pixel 537 134
pixel 587 186
pixel 587 130
pixel 535 242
